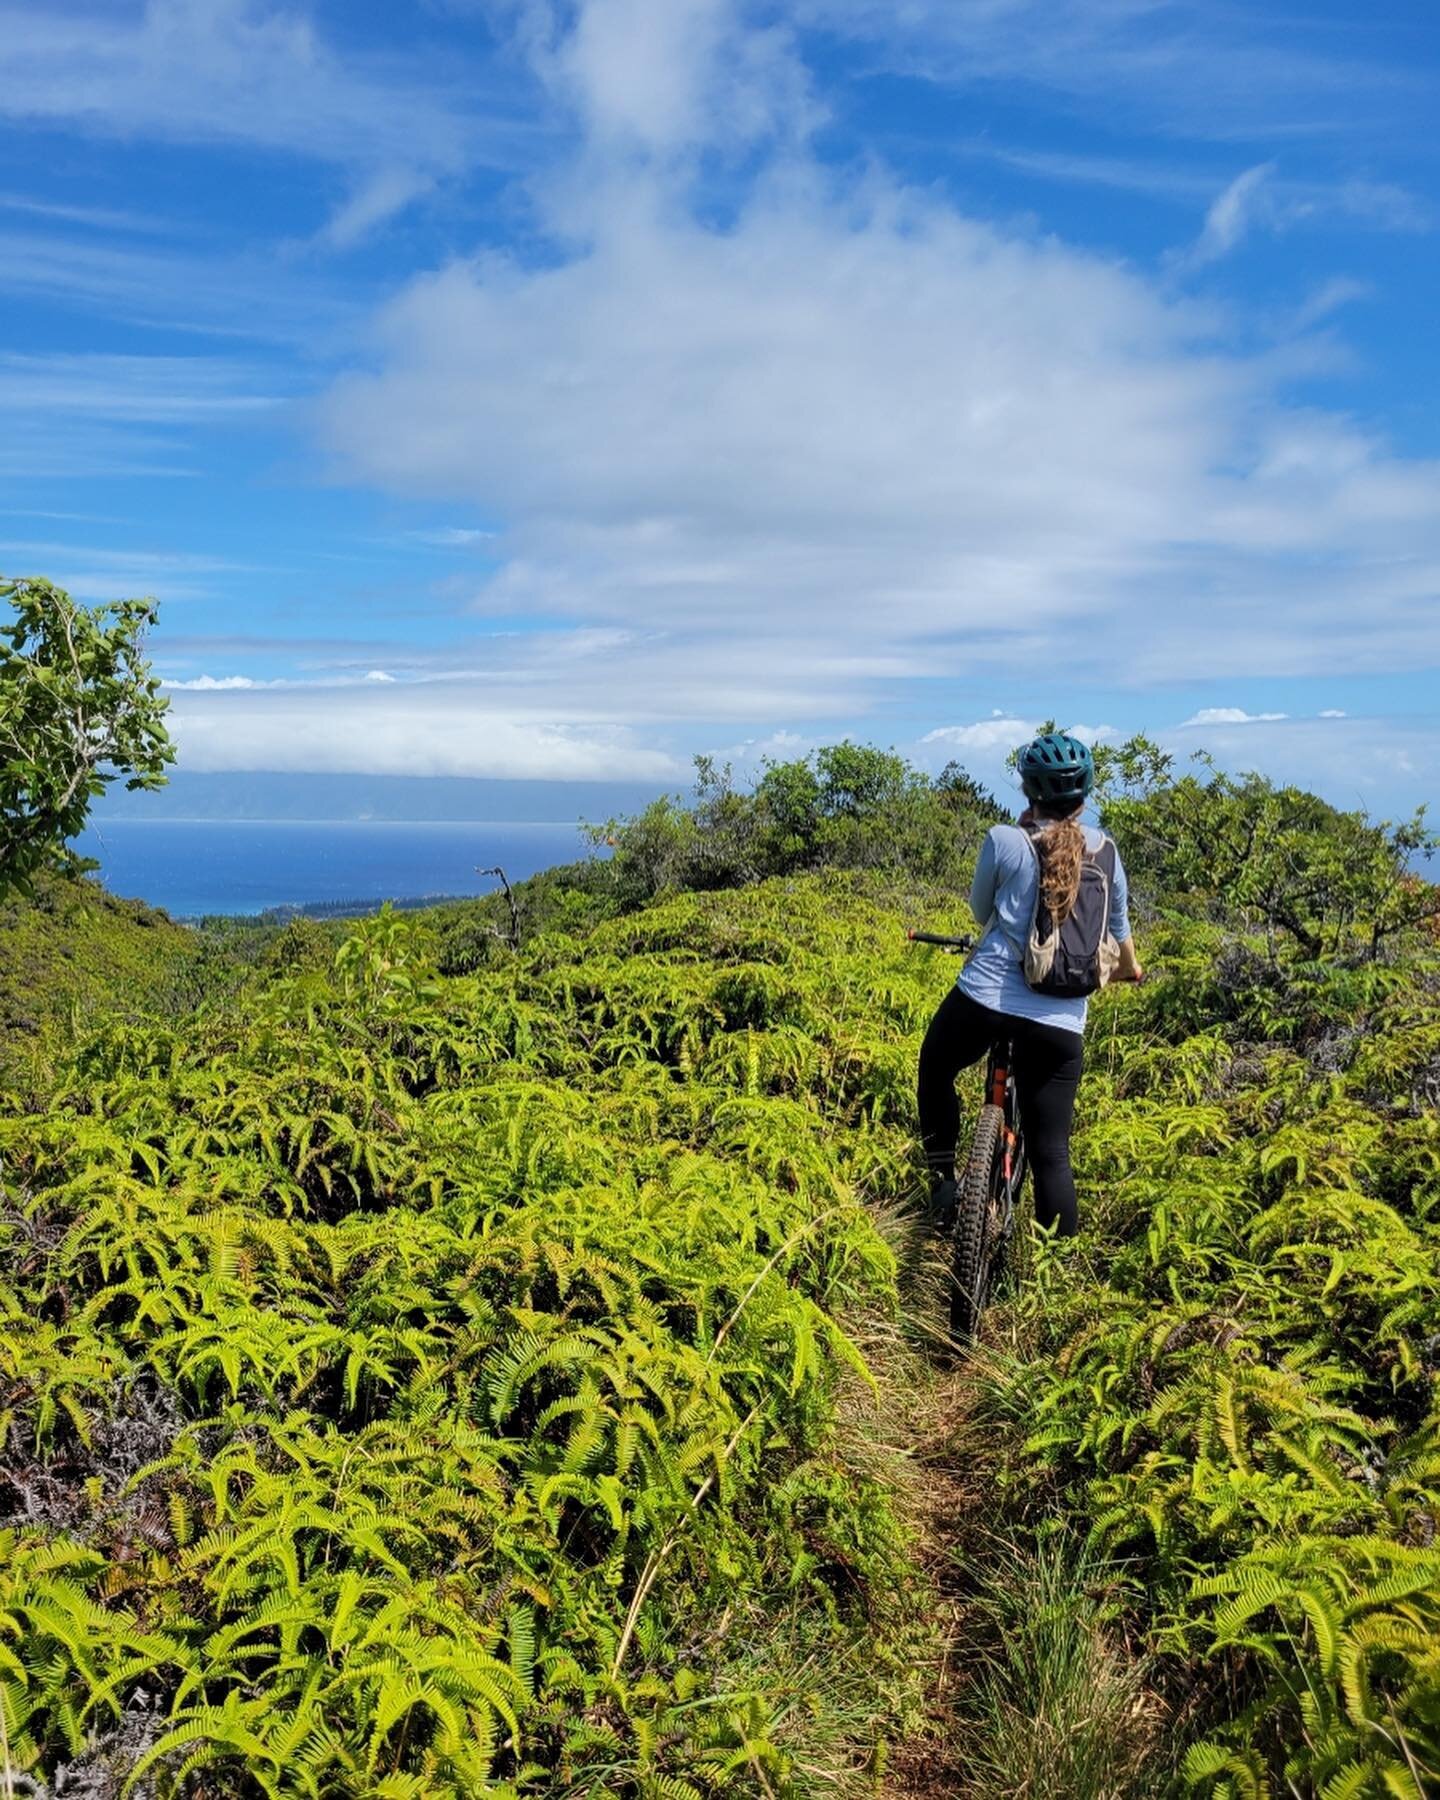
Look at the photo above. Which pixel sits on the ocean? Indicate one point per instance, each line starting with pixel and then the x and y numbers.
pixel 192 867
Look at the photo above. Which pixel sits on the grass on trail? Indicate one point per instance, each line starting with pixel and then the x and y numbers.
pixel 1060 1705
pixel 1040 1690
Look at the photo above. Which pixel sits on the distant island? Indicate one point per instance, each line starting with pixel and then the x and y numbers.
pixel 330 909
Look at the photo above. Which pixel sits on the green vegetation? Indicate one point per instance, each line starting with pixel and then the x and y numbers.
pixel 73 957
pixel 845 807
pixel 434 1368
pixel 435 1383
pixel 1230 1382
pixel 1058 1702
pixel 1327 883
pixel 78 709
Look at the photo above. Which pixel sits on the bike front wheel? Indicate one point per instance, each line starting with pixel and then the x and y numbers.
pixel 976 1227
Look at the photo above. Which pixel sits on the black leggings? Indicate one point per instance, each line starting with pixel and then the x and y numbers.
pixel 1047 1073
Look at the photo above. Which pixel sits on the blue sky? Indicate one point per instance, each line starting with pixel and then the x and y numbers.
pixel 555 388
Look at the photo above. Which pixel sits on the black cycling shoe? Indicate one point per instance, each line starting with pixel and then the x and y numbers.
pixel 940 1214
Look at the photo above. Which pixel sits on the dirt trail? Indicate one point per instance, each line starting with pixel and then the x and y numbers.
pixel 929 1766
pixel 1079 1718
pixel 946 1494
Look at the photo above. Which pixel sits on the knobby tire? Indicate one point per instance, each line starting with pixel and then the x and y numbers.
pixel 975 1224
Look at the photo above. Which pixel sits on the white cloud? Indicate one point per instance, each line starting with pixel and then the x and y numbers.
pixel 773 457
pixel 190 290
pixel 1229 715
pixel 1328 298
pixel 379 197
pixel 985 737
pixel 1231 214
pixel 848 411
pixel 984 747
pixel 160 390
pixel 82 413
pixel 97 218
pixel 70 518
pixel 215 684
pixel 1258 199
pixel 1378 204
pixel 93 573
pixel 262 74
pixel 381 731
pixel 1333 712
pixel 1379 765
pixel 222 684
pixel 31 451
pixel 1133 175
pixel 751 754
pixel 849 426
pixel 1171 64
pixel 244 71
pixel 668 79
pixel 585 704
pixel 1259 196
pixel 864 414
pixel 450 537
pixel 870 411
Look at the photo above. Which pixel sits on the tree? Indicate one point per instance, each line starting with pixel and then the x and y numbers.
pixel 1325 881
pixel 963 794
pixel 79 708
pixel 846 806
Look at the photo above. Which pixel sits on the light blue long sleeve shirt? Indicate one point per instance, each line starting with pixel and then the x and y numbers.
pixel 1002 898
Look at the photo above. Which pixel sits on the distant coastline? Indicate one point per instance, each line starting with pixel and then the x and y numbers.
pixel 332 909
pixel 201 868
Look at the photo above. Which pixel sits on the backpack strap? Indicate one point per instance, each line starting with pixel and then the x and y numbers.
pixel 1105 859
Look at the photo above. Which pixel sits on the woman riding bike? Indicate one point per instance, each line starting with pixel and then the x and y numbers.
pixel 993 1001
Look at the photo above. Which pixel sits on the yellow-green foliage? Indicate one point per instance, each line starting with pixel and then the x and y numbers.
pixel 415 1385
pixel 424 1386
pixel 1238 1385
pixel 71 954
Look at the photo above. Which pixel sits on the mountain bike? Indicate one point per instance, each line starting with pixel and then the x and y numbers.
pixel 987 1192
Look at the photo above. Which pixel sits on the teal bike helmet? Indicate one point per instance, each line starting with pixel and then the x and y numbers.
pixel 1056 768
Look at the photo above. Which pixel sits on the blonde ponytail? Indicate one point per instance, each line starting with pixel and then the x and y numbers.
pixel 1060 846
